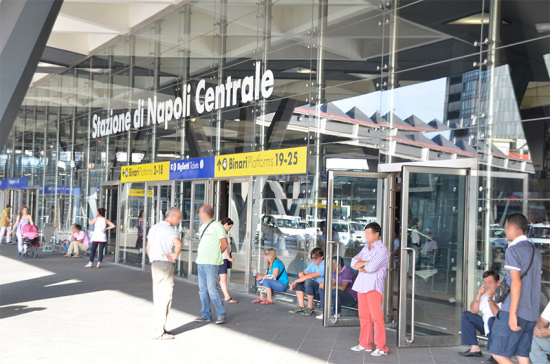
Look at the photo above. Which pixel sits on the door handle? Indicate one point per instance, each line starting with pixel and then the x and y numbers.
pixel 413 286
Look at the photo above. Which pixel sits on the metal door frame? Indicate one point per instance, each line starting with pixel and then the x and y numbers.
pixel 243 288
pixel 402 338
pixel 36 204
pixel 387 208
pixel 118 186
pixel 208 185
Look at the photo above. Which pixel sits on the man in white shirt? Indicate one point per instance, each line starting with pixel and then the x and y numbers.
pixel 163 248
pixel 472 321
pixel 540 346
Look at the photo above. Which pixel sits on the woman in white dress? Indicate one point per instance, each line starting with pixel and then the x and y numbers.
pixel 99 236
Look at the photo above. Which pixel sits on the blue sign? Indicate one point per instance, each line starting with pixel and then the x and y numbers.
pixel 13 183
pixel 60 190
pixel 192 168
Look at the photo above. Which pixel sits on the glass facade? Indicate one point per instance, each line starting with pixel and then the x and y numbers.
pixel 365 85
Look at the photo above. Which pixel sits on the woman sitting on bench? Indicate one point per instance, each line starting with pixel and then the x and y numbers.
pixel 274 279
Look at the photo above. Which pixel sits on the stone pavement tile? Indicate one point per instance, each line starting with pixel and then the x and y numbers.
pixel 88 316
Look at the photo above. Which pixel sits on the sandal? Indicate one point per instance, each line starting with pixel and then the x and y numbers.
pixel 230 300
pixel 266 302
pixel 257 300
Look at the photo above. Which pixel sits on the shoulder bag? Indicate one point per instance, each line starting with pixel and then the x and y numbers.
pixel 503 290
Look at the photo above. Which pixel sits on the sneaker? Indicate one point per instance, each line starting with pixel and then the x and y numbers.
pixel 220 320
pixel 308 312
pixel 319 317
pixel 202 320
pixel 360 348
pixel 298 309
pixel 165 336
pixel 378 352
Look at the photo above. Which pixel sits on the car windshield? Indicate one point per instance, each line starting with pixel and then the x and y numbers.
pixel 290 224
pixel 341 228
pixel 303 225
pixel 499 233
pixel 540 232
pixel 357 227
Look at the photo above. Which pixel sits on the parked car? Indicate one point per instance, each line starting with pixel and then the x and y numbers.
pixel 540 236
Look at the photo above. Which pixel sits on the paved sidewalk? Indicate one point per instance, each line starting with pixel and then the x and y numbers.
pixel 52 310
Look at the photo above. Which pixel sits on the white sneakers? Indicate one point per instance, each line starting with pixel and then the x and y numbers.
pixel 360 348
pixel 376 352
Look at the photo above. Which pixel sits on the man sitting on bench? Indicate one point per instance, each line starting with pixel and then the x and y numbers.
pixel 471 321
pixel 308 283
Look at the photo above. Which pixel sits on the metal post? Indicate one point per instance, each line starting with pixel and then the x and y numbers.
pixel 222 48
pixel 319 100
pixel 87 195
pixel 494 40
pixel 392 68
pixel 72 164
pixel 156 84
pixel 267 17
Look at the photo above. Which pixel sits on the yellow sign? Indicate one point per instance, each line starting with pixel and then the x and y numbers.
pixel 278 161
pixel 145 172
pixel 140 192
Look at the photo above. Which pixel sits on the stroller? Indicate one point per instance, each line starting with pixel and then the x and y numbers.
pixel 30 237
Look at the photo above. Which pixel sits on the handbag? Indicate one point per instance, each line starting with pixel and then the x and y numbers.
pixel 503 290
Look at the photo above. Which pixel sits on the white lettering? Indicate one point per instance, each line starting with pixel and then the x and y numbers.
pixel 268 80
pixel 247 91
pixel 198 104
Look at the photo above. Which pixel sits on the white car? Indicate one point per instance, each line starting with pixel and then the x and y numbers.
pixel 540 236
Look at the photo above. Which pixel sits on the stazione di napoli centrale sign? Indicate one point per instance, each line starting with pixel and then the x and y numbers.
pixel 207 99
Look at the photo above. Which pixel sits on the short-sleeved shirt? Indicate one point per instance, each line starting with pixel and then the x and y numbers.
pixel 546 314
pixel 209 251
pixel 517 257
pixel 486 312
pixel 346 275
pixel 160 239
pixel 312 268
pixel 278 264
pixel 5 217
pixel 81 235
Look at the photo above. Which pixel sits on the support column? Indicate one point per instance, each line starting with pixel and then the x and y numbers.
pixel 25 26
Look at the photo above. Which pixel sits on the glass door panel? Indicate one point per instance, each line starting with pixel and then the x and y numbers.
pixel 239 236
pixel 354 200
pixel 433 228
pixel 133 225
pixel 109 200
pixel 183 202
pixel 199 196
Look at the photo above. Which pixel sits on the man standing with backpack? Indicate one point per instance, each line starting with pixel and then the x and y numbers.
pixel 512 331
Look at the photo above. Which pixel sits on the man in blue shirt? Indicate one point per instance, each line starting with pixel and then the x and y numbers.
pixel 512 332
pixel 308 282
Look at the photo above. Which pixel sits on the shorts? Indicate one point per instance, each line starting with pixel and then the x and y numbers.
pixel 505 342
pixel 224 267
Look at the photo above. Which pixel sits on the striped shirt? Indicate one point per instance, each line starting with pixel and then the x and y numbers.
pixel 373 280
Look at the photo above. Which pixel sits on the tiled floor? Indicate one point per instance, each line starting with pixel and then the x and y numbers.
pixel 52 310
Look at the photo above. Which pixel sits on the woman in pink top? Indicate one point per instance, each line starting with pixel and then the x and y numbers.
pixel 79 241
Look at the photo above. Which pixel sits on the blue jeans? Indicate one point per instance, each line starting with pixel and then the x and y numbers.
pixel 93 246
pixel 66 246
pixel 310 287
pixel 471 322
pixel 208 290
pixel 275 285
pixel 344 299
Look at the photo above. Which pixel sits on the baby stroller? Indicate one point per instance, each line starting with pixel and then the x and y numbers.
pixel 30 237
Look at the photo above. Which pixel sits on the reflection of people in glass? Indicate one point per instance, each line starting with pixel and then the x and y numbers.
pixel 275 278
pixel 323 236
pixel 396 243
pixel 414 239
pixel 227 261
pixel 346 296
pixel 142 225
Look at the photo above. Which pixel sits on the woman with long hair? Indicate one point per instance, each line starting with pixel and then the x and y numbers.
pixel 227 259
pixel 142 227
pixel 24 218
pixel 275 278
pixel 99 236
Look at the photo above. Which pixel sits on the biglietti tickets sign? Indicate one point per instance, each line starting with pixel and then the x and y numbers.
pixel 207 99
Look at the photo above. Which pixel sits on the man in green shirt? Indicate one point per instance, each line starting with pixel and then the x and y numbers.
pixel 213 242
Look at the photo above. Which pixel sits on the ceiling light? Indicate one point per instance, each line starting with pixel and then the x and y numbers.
pixel 475 19
pixel 542 27
pixel 51 65
pixel 305 70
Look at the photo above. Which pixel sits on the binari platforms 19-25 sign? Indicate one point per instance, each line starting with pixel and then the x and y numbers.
pixel 207 99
